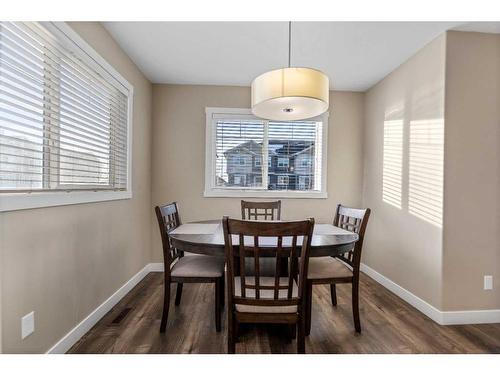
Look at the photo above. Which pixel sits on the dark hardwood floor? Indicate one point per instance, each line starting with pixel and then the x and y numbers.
pixel 389 325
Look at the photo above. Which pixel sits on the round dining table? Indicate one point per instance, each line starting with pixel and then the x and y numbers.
pixel 207 237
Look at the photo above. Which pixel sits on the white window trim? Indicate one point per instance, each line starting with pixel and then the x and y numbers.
pixel 212 191
pixel 283 165
pixel 28 200
pixel 284 177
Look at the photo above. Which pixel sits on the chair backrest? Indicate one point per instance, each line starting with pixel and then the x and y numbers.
pixel 261 210
pixel 285 242
pixel 168 220
pixel 354 220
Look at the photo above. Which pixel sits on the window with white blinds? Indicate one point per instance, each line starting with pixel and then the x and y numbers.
pixel 239 153
pixel 64 115
pixel 238 143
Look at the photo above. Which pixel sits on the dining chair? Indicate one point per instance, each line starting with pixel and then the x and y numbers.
pixel 261 210
pixel 267 299
pixel 191 268
pixel 343 268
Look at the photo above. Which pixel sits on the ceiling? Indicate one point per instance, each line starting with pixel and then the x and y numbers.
pixel 355 55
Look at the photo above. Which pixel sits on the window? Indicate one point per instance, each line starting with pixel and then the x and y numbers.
pixel 283 180
pixel 304 183
pixel 282 162
pixel 64 119
pixel 297 147
pixel 240 160
pixel 305 162
pixel 239 180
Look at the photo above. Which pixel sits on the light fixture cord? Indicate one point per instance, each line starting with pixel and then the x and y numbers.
pixel 289 43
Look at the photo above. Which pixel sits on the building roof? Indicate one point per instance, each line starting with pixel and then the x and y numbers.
pixel 250 147
pixel 276 147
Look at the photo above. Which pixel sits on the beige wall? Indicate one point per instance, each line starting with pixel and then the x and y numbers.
pixel 472 176
pixel 179 154
pixel 400 245
pixel 63 262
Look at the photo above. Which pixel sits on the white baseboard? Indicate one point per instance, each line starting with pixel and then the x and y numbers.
pixel 471 317
pixel 155 267
pixel 440 317
pixel 422 306
pixel 63 345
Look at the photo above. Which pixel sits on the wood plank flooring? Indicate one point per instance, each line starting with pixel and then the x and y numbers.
pixel 389 325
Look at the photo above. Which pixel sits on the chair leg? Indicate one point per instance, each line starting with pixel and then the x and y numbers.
pixel 333 293
pixel 308 309
pixel 166 305
pixel 218 305
pixel 222 291
pixel 231 340
pixel 292 331
pixel 301 337
pixel 355 305
pixel 237 329
pixel 178 294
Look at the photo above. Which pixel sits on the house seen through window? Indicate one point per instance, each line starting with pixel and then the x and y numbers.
pixel 294 151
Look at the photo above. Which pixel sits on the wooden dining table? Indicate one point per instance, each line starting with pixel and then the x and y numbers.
pixel 207 237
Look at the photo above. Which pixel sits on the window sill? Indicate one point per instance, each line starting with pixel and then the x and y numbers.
pixel 223 193
pixel 25 201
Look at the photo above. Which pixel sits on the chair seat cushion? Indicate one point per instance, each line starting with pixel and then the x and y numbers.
pixel 198 266
pixel 327 268
pixel 264 293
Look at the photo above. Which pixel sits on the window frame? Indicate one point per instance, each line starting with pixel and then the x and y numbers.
pixel 241 160
pixel 11 201
pixel 302 181
pixel 241 178
pixel 210 143
pixel 284 177
pixel 283 165
pixel 306 163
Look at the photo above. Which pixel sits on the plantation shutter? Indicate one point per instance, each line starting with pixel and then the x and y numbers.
pixel 63 117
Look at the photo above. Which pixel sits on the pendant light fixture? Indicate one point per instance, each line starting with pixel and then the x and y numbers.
pixel 290 93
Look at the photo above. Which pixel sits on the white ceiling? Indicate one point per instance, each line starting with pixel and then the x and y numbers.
pixel 355 55
pixel 482 27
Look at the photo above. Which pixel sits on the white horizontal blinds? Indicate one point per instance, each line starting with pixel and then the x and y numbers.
pixel 63 121
pixel 295 155
pixel 21 124
pixel 239 153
